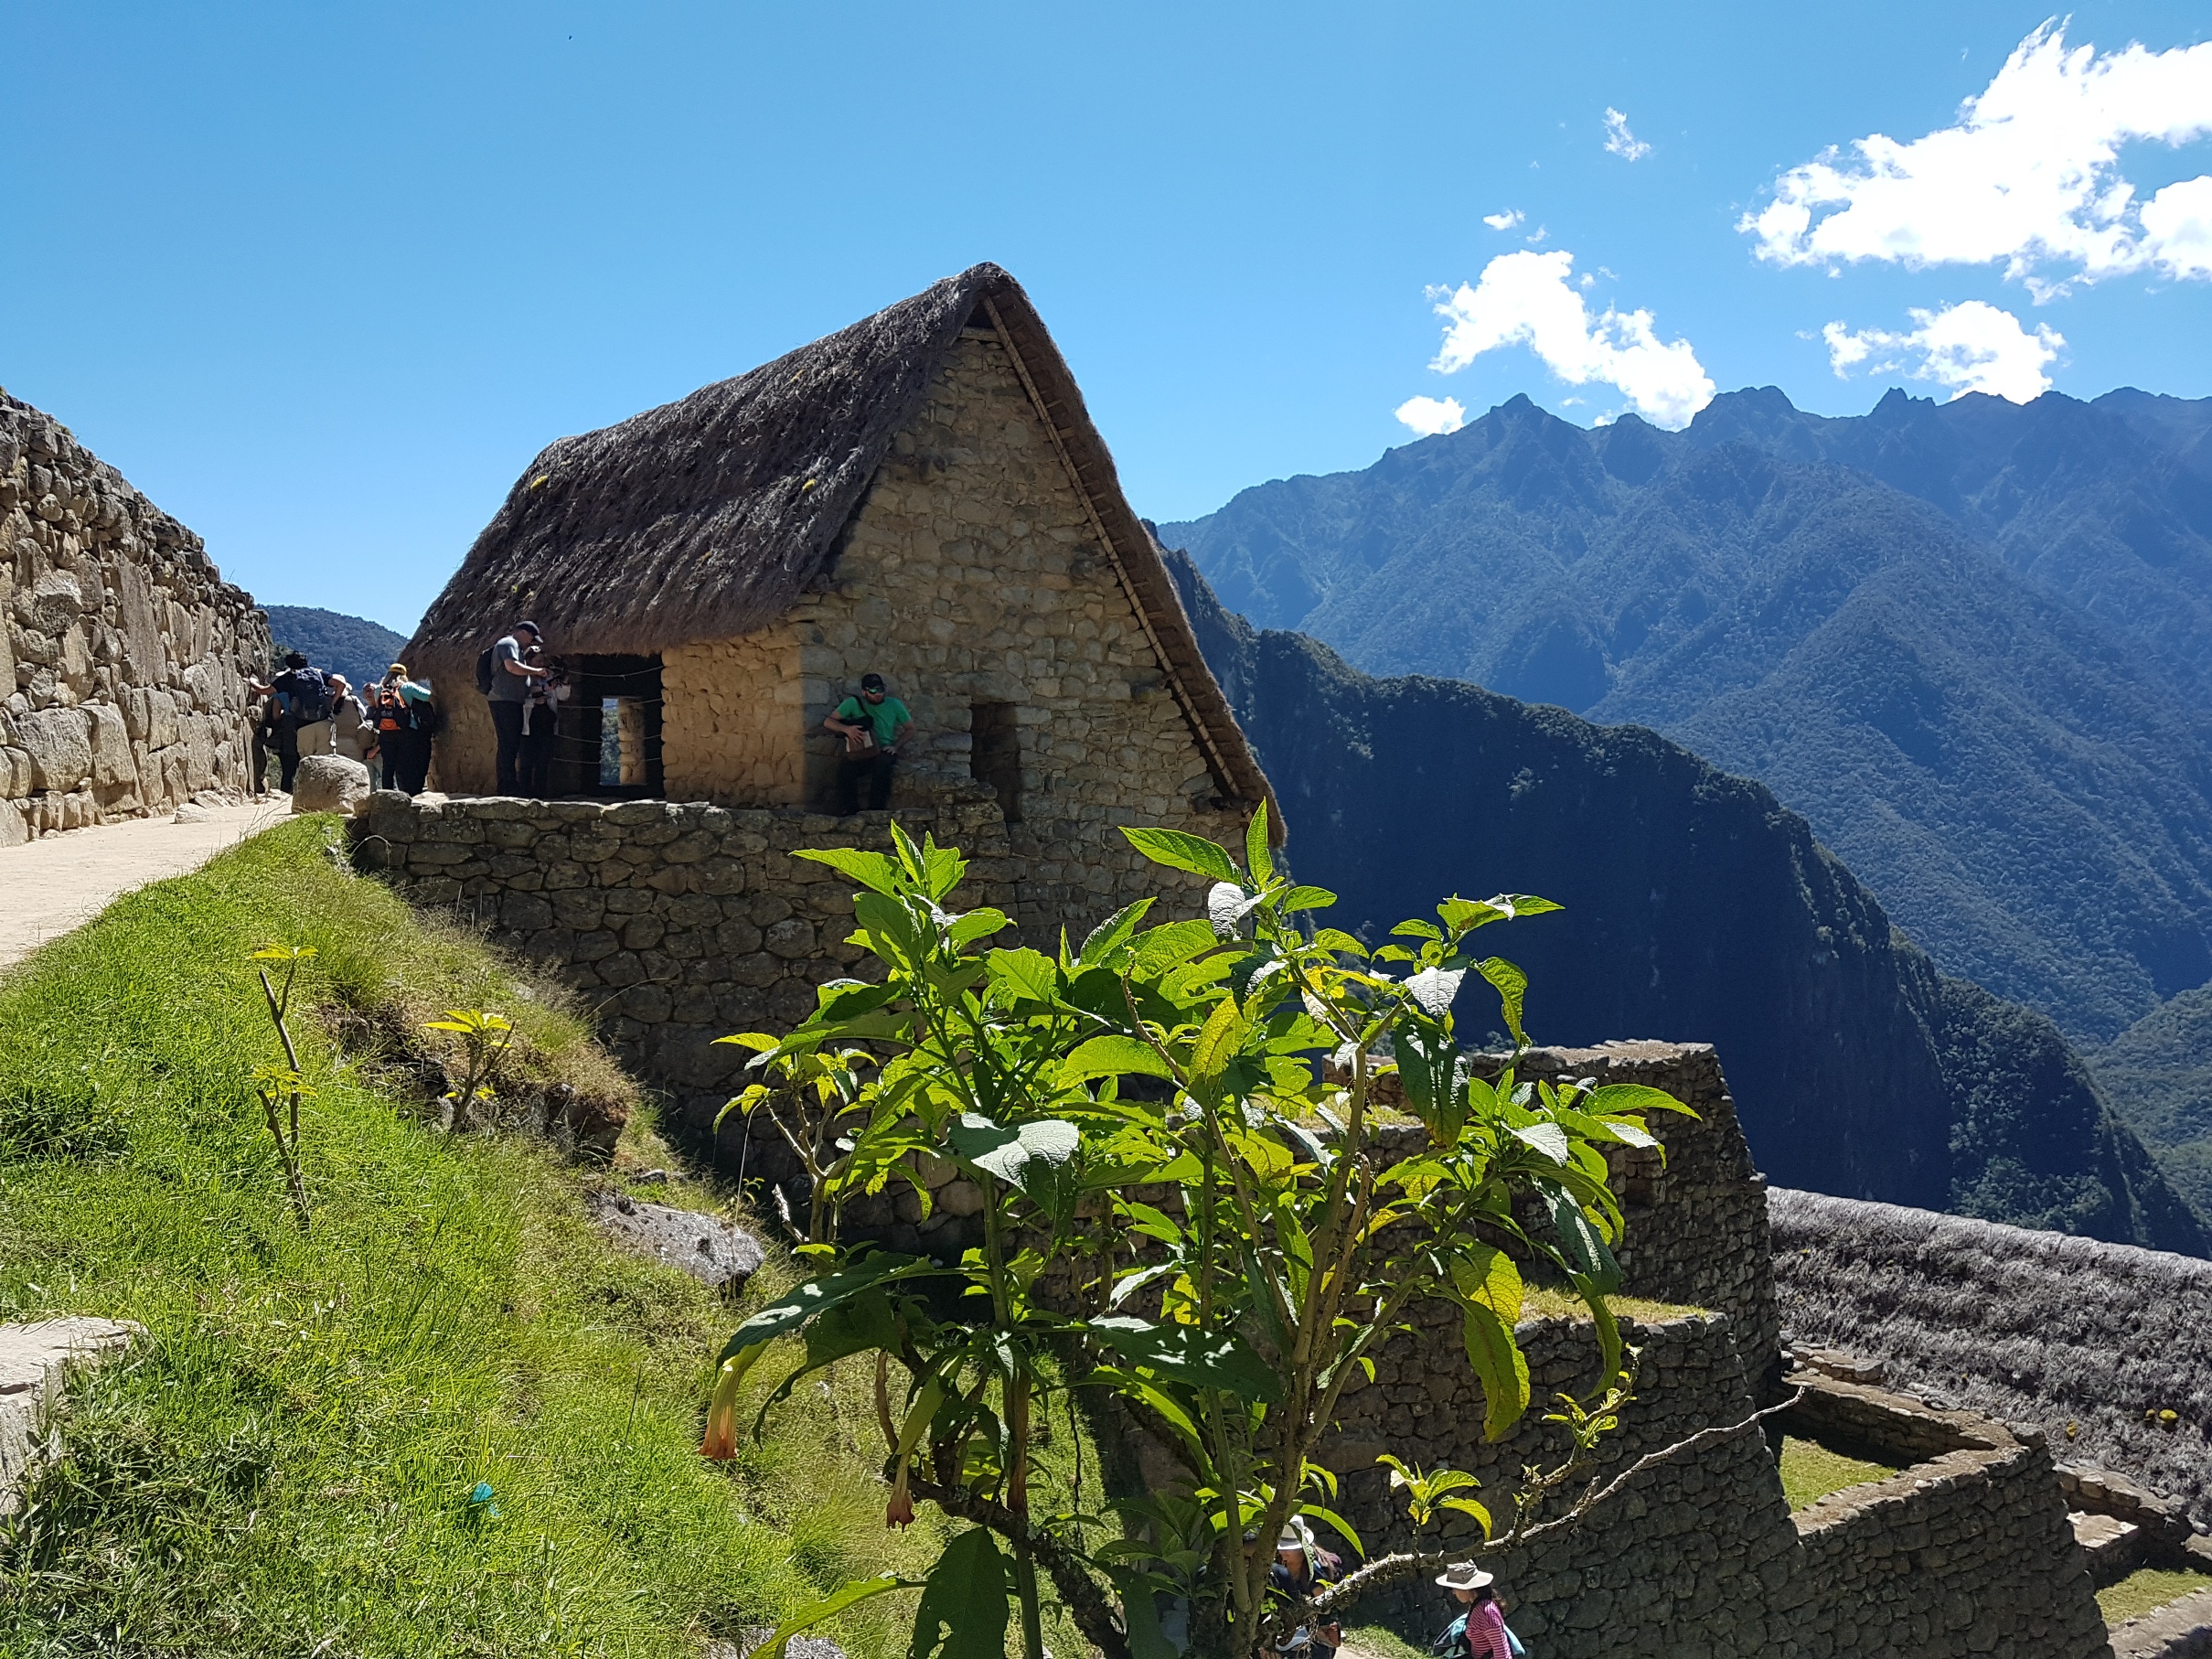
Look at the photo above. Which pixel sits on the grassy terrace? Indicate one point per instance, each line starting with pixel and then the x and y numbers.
pixel 1810 1472
pixel 285 1468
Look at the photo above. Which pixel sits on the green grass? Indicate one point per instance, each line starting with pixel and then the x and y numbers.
pixel 282 1468
pixel 2144 1589
pixel 1380 1641
pixel 1810 1472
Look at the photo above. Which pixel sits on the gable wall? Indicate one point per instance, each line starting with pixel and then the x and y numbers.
pixel 973 574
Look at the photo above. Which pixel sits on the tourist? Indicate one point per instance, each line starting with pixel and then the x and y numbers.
pixel 547 689
pixel 1480 1632
pixel 301 698
pixel 510 676
pixel 352 733
pixel 871 725
pixel 401 710
pixel 1302 1568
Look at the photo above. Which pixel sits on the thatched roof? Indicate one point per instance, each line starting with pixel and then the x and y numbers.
pixel 708 517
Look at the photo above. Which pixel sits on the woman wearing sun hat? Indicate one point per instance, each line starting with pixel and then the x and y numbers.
pixel 1301 1569
pixel 1480 1632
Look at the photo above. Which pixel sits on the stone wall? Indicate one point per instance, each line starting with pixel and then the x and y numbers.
pixel 679 924
pixel 1967 1552
pixel 123 655
pixel 732 715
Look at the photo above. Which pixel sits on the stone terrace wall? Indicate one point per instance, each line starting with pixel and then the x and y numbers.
pixel 679 924
pixel 1968 1552
pixel 122 654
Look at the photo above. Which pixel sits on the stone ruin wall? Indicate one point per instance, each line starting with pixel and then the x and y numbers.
pixel 681 923
pixel 123 655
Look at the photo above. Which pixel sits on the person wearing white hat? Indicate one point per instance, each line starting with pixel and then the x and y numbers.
pixel 1480 1632
pixel 1302 1568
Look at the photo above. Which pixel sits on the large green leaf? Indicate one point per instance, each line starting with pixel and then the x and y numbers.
pixel 1031 1157
pixel 1487 1275
pixel 1580 1237
pixel 1112 1057
pixel 1218 1040
pixel 962 1613
pixel 846 1595
pixel 976 924
pixel 859 1324
pixel 815 1297
pixel 1500 1366
pixel 1180 852
pixel 1613 1099
pixel 1258 860
pixel 1112 934
pixel 1027 973
pixel 1434 989
pixel 844 998
pixel 1187 1356
pixel 1547 1138
pixel 871 870
pixel 1512 990
pixel 1608 1330
pixel 1163 947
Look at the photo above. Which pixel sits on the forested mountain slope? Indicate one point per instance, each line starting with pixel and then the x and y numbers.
pixel 1955 637
pixel 356 648
pixel 1697 909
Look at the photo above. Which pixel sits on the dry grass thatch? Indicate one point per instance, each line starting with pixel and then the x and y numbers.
pixel 2043 1328
pixel 709 517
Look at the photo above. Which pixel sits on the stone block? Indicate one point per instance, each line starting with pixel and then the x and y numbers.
pixel 59 742
pixel 329 783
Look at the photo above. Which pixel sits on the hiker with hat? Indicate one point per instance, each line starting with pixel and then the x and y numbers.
pixel 1301 1569
pixel 401 708
pixel 1481 1631
pixel 871 725
pixel 503 675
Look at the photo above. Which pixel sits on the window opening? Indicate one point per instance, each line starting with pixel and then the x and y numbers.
pixel 614 745
pixel 994 756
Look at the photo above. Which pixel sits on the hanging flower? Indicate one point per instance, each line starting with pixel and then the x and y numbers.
pixel 720 1441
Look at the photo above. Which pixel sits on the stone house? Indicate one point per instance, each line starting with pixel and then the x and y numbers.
pixel 921 495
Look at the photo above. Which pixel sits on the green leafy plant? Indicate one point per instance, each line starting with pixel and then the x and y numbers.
pixel 1189 1207
pixel 483 1039
pixel 281 1088
pixel 816 1095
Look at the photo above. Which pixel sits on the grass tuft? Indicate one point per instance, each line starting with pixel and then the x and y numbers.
pixel 2144 1591
pixel 286 1466
pixel 1810 1472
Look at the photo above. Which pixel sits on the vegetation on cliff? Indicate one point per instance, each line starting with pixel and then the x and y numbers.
pixel 1696 909
pixel 290 1462
pixel 356 648
pixel 1965 641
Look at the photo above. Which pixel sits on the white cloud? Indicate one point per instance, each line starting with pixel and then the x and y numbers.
pixel 1619 141
pixel 2028 174
pixel 2178 221
pixel 1428 416
pixel 1527 299
pixel 1974 346
pixel 1505 221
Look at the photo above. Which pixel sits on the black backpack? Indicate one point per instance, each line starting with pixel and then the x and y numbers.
pixel 486 670
pixel 311 701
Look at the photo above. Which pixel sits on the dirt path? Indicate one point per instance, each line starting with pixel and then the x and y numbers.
pixel 59 881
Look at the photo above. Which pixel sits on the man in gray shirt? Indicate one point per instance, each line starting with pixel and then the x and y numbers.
pixel 510 686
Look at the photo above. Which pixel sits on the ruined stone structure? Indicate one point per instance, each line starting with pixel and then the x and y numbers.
pixel 921 496
pixel 123 655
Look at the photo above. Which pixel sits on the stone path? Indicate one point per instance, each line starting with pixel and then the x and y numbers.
pixel 34 1360
pixel 60 881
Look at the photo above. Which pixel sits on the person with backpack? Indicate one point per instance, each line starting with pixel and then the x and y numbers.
pixel 1481 1631
pixel 871 725
pixel 400 710
pixel 300 697
pixel 503 674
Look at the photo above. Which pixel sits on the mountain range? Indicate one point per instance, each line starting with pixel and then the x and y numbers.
pixel 1698 908
pixel 356 648
pixel 1964 640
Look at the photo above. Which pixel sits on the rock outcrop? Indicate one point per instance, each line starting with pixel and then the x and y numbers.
pixel 123 655
pixel 330 783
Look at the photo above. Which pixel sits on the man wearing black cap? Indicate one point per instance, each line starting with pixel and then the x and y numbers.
pixel 512 672
pixel 871 725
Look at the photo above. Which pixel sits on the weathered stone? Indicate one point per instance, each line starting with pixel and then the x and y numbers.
pixel 330 783
pixel 59 742
pixel 710 1249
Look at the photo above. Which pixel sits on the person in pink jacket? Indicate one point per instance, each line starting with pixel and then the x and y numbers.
pixel 1480 1632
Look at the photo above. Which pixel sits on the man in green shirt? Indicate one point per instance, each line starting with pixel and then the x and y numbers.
pixel 871 725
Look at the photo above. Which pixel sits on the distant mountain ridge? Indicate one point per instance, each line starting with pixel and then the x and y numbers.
pixel 356 648
pixel 1963 639
pixel 1697 909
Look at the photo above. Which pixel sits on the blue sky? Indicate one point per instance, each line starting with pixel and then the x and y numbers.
pixel 321 279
